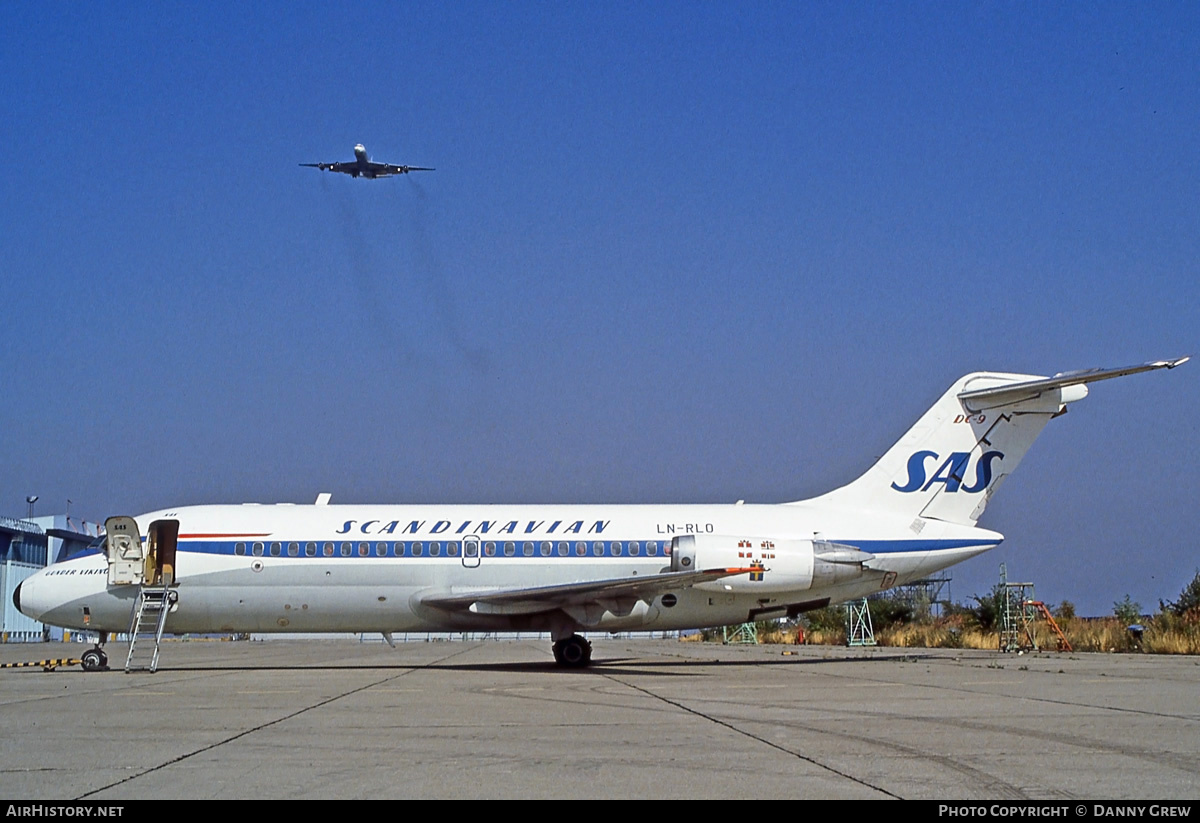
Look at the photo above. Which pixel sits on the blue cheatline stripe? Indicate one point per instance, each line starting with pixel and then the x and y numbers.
pixel 895 546
pixel 500 549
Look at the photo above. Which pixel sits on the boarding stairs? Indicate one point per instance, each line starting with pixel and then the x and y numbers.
pixel 146 625
pixel 1064 645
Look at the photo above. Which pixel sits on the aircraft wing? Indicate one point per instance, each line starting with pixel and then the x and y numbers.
pixel 387 169
pixel 329 166
pixel 585 601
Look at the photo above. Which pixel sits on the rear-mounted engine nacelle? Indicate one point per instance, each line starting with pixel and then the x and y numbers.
pixel 838 563
pixel 773 564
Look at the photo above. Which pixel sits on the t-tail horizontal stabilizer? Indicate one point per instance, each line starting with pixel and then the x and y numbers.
pixel 980 399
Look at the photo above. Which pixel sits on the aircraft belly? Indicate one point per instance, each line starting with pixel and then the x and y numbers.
pixel 291 608
pixel 283 596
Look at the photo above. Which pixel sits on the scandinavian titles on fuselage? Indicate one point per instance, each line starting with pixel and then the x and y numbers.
pixel 474 527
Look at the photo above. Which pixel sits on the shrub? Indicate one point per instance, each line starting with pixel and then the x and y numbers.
pixel 1188 603
pixel 889 611
pixel 1127 611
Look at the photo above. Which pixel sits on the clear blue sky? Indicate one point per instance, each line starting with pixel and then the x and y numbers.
pixel 685 252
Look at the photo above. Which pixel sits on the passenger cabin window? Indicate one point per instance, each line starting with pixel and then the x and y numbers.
pixel 239 548
pixel 418 549
pixel 275 549
pixel 258 549
pixel 310 549
pixel 293 549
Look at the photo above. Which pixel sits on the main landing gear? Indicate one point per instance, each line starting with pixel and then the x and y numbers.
pixel 95 659
pixel 573 652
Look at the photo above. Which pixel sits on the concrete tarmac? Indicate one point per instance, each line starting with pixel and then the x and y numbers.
pixel 651 719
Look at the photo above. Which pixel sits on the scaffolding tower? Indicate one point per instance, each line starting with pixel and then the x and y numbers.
pixel 1017 615
pixel 859 630
pixel 740 633
pixel 927 596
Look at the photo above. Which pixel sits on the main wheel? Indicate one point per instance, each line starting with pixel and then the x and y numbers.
pixel 574 652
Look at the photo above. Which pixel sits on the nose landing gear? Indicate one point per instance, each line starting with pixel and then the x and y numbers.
pixel 95 659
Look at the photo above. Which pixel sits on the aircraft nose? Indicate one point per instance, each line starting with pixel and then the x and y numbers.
pixel 25 598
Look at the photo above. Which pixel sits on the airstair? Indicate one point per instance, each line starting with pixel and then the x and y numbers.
pixel 150 565
pixel 146 625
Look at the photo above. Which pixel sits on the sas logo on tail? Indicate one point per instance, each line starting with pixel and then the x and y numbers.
pixel 950 473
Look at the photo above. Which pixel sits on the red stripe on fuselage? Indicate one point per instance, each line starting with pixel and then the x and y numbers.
pixel 210 536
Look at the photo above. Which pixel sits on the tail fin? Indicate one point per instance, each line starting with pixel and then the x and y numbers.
pixel 948 466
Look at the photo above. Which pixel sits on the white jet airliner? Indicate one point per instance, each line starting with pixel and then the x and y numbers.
pixel 570 568
pixel 363 166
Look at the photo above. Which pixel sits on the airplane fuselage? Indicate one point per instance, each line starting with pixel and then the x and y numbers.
pixel 285 568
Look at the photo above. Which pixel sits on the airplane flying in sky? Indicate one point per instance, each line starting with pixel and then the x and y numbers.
pixel 564 569
pixel 361 166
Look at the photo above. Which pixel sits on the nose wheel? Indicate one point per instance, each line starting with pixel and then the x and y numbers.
pixel 95 659
pixel 573 652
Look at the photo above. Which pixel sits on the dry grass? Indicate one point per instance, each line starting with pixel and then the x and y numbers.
pixel 1172 641
pixel 1095 635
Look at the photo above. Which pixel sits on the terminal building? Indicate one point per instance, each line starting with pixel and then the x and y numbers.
pixel 27 545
